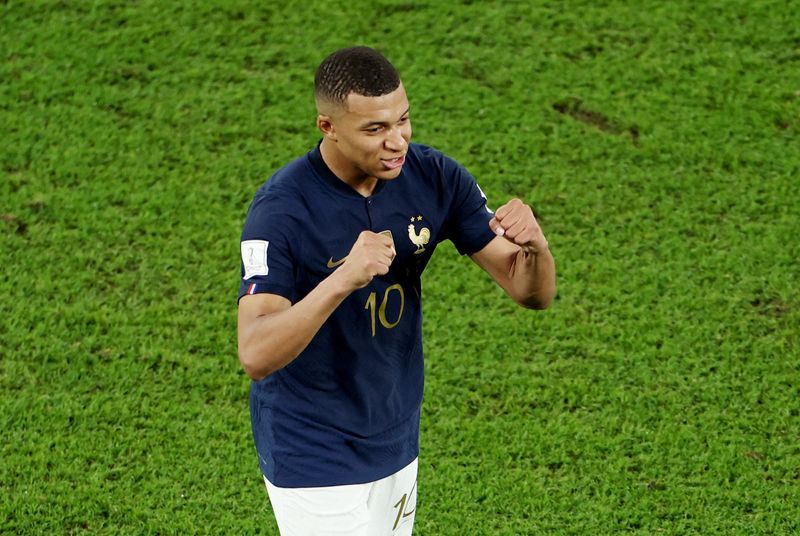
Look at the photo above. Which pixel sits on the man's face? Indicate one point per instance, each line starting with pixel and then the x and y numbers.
pixel 371 134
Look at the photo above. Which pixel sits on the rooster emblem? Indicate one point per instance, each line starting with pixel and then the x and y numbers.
pixel 418 239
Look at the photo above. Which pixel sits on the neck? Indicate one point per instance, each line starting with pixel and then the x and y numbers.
pixel 345 171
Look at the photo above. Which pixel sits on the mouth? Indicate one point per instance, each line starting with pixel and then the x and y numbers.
pixel 393 163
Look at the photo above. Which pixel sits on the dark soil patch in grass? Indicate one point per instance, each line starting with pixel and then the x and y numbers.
pixel 575 108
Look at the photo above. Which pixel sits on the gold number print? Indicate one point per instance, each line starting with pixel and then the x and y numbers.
pixel 401 506
pixel 372 304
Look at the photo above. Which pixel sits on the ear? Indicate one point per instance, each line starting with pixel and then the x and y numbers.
pixel 325 125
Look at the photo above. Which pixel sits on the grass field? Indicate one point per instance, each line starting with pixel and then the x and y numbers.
pixel 659 143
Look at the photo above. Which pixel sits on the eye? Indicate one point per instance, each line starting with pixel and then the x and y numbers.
pixel 373 130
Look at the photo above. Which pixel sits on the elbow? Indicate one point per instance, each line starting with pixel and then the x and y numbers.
pixel 258 364
pixel 535 303
pixel 538 301
pixel 252 366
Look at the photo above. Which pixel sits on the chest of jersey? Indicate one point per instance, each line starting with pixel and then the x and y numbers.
pixel 413 222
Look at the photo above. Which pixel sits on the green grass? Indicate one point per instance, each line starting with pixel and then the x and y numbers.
pixel 657 141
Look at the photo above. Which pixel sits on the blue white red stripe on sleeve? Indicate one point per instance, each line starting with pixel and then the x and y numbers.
pixel 251 289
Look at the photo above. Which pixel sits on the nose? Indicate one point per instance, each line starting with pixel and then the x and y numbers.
pixel 395 140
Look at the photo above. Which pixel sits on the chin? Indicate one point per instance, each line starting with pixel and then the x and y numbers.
pixel 389 174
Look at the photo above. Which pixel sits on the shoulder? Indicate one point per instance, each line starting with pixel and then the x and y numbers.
pixel 426 155
pixel 286 187
pixel 287 180
pixel 430 159
pixel 433 166
pixel 281 197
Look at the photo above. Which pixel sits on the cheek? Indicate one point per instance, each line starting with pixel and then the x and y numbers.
pixel 362 151
pixel 361 145
pixel 372 145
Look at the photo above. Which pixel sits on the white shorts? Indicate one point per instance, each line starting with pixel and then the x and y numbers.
pixel 384 507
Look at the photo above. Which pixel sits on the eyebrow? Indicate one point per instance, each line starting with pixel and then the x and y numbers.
pixel 369 124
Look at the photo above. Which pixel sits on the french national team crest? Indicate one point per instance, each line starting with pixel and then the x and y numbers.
pixel 418 238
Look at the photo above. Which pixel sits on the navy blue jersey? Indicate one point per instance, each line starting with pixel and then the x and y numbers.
pixel 347 409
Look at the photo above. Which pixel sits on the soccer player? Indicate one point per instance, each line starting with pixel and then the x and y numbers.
pixel 329 325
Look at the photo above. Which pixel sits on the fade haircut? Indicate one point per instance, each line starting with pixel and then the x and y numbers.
pixel 359 70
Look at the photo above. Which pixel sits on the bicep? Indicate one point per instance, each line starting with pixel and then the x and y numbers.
pixel 496 258
pixel 253 307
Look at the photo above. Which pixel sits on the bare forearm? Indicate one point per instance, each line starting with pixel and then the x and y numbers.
pixel 272 341
pixel 533 278
pixel 528 273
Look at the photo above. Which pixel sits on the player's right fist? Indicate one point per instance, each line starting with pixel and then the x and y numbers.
pixel 371 255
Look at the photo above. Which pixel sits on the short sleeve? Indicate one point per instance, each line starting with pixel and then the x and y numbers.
pixel 467 224
pixel 267 259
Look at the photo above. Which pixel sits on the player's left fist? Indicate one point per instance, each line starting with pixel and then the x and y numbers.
pixel 515 222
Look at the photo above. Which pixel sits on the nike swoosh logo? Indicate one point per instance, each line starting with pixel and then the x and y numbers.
pixel 332 264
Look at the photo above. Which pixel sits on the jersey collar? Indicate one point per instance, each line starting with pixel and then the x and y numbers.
pixel 327 176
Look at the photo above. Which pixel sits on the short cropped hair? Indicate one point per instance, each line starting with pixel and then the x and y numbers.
pixel 359 70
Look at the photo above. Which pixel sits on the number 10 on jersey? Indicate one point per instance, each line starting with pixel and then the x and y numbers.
pixel 373 307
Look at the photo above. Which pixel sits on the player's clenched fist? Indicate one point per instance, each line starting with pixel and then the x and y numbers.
pixel 516 223
pixel 371 255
